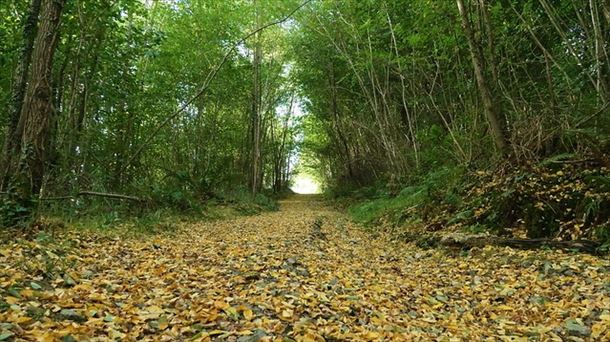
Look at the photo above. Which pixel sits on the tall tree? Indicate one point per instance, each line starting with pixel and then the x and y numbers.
pixel 256 121
pixel 492 108
pixel 18 90
pixel 30 152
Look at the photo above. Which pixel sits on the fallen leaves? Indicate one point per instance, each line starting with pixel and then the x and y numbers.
pixel 272 278
pixel 540 201
pixel 287 313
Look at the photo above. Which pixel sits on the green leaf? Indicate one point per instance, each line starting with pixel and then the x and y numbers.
pixel 6 335
pixel 68 338
pixel 68 281
pixel 13 291
pixel 576 328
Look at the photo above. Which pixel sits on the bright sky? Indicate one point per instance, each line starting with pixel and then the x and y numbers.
pixel 305 184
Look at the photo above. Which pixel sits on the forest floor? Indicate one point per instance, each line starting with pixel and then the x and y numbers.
pixel 304 273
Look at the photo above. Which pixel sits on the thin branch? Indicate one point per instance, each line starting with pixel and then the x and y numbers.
pixel 110 195
pixel 95 194
pixel 209 80
pixel 592 116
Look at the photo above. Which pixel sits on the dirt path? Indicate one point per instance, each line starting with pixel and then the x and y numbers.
pixel 303 273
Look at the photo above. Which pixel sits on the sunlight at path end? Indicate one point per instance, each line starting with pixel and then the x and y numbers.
pixel 305 184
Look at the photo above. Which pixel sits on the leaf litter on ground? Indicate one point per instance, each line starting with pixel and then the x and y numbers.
pixel 272 277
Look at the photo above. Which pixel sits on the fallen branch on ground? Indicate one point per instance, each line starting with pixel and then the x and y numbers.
pixel 470 241
pixel 95 194
pixel 580 245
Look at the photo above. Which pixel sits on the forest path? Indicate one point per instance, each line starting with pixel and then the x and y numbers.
pixel 304 273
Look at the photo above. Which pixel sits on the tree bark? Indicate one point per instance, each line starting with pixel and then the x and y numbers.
pixel 601 58
pixel 337 128
pixel 11 145
pixel 492 110
pixel 255 167
pixel 27 169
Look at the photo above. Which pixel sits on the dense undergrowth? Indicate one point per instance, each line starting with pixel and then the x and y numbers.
pixel 560 198
pixel 161 212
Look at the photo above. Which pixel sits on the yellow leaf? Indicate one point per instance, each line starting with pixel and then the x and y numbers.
pixel 287 313
pixel 163 324
pixel 22 320
pixel 504 308
pixel 11 300
pixel 598 329
pixel 468 316
pixel 114 335
pixel 26 293
pixel 155 309
pixel 307 338
pixel 312 337
pixel 97 297
pixel 44 336
pixel 248 314
pixel 232 312
pixel 372 335
pixel 152 312
pixel 221 304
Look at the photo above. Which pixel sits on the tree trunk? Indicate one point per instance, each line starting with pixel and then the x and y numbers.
pixel 492 109
pixel 28 164
pixel 11 143
pixel 336 126
pixel 255 167
pixel 601 58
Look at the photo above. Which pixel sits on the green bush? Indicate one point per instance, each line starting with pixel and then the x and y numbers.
pixel 435 191
pixel 175 198
pixel 554 199
pixel 567 201
pixel 266 202
pixel 245 203
pixel 12 212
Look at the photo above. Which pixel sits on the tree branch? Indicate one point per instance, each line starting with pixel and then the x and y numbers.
pixel 95 194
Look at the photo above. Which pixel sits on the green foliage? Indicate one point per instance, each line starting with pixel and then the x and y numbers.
pixel 567 201
pixel 122 68
pixel 477 228
pixel 370 96
pixel 179 199
pixel 387 92
pixel 371 211
pixel 266 202
pixel 434 191
pixel 13 212
pixel 246 204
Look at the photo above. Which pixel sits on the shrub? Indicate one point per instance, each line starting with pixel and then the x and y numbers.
pixel 567 201
pixel 13 212
pixel 434 192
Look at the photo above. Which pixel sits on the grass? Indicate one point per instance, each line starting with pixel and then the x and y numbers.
pixel 370 212
pixel 414 201
pixel 128 219
pixel 549 200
